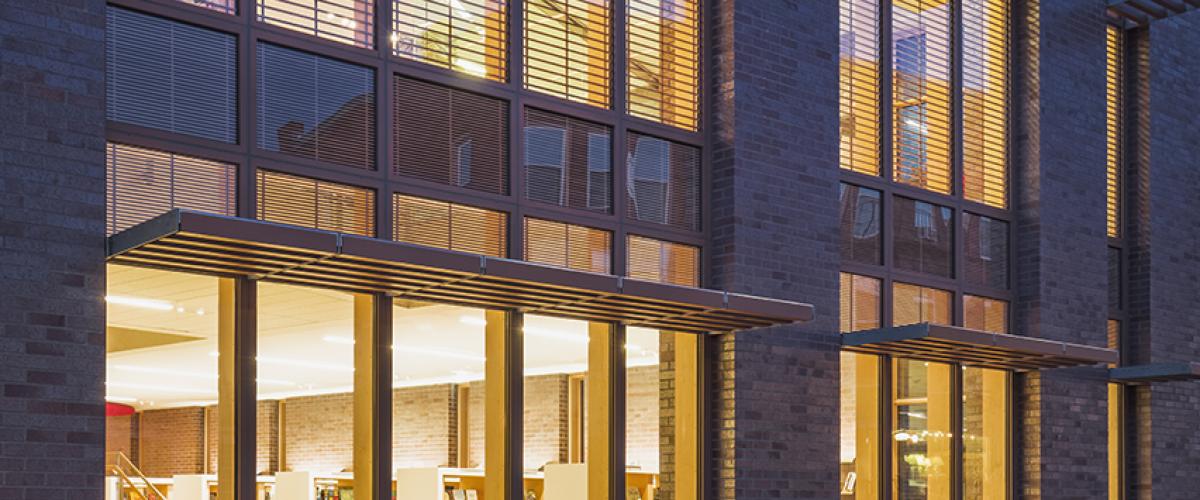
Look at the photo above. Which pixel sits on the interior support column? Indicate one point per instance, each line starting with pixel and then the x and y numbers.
pixel 372 396
pixel 237 336
pixel 688 415
pixel 503 392
pixel 605 394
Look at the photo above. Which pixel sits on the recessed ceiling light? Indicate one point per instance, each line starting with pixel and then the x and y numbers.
pixel 157 305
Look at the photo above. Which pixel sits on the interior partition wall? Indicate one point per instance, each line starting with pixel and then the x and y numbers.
pixel 926 235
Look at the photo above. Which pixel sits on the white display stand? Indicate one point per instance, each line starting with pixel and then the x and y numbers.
pixel 112 488
pixel 189 487
pixel 564 481
pixel 294 486
pixel 419 484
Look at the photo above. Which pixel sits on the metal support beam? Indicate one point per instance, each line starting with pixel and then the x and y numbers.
pixel 503 386
pixel 372 396
pixel 605 393
pixel 237 336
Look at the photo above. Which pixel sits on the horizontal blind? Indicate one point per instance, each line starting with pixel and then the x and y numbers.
pixel 568 245
pixel 663 182
pixel 567 49
pixel 985 83
pixel 662 261
pixel 346 21
pixel 303 201
pixel 144 183
pixel 858 86
pixel 452 226
pixel 568 162
pixel 222 6
pixel 921 94
pixel 985 252
pixel 860 302
pixel 315 107
pixel 468 36
pixel 923 237
pixel 861 224
pixel 171 76
pixel 663 61
pixel 1114 102
pixel 913 304
pixel 984 314
pixel 449 136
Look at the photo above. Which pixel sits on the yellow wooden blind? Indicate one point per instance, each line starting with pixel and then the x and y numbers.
pixel 985 84
pixel 917 304
pixel 663 261
pixel 567 50
pixel 452 226
pixel 858 86
pixel 1114 96
pixel 568 245
pixel 303 201
pixel 144 183
pixel 984 314
pixel 860 306
pixel 663 61
pixel 347 21
pixel 921 94
pixel 468 36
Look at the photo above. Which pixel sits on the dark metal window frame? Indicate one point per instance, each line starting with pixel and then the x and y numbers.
pixel 249 158
pixel 887 273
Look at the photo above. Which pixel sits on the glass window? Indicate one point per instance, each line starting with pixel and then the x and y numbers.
pixel 145 183
pixel 466 36
pixel 985 82
pixel 452 226
pixel 663 182
pixel 171 76
pixel 921 93
pixel 860 303
pixel 985 414
pixel 1114 104
pixel 556 386
pixel 568 245
pixel 924 236
pixel 303 201
pixel 858 85
pixel 860 444
pixel 1116 279
pixel 917 304
pixel 568 162
pixel 861 218
pixel 984 314
pixel 663 261
pixel 449 136
pixel 922 447
pixel 663 61
pixel 222 6
pixel 567 49
pixel 650 404
pixel 986 251
pixel 315 107
pixel 346 21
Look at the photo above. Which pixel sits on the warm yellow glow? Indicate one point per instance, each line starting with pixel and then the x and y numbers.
pixel 985 433
pixel 567 49
pixel 1116 448
pixel 858 85
pixel 917 304
pixel 921 94
pixel 984 314
pixel 664 61
pixel 860 303
pixel 985 101
pixel 1113 99
pixel 568 245
pixel 345 21
pixel 302 201
pixel 663 261
pixel 452 226
pixel 464 35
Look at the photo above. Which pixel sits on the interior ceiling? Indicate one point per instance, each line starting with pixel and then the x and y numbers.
pixel 305 342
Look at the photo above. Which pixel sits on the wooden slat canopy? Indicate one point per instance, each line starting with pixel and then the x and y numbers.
pixel 199 242
pixel 952 344
pixel 1134 13
pixel 1156 372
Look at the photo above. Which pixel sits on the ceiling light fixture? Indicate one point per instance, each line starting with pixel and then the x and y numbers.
pixel 157 305
pixel 120 399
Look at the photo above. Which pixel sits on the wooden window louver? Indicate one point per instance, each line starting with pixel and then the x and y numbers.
pixel 921 94
pixel 663 182
pixel 663 61
pixel 567 49
pixel 452 226
pixel 346 21
pixel 858 86
pixel 568 162
pixel 662 261
pixel 468 36
pixel 568 245
pixel 303 201
pixel 985 84
pixel 144 183
pixel 1114 100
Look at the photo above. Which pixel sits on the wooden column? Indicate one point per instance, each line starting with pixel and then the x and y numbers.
pixel 688 414
pixel 605 394
pixel 237 311
pixel 372 396
pixel 868 433
pixel 939 442
pixel 503 391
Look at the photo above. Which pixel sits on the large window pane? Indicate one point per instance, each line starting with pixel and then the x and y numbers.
pixel 1114 103
pixel 663 182
pixel 650 412
pixel 567 49
pixel 468 36
pixel 171 76
pixel 924 237
pixel 663 261
pixel 985 83
pixel 568 162
pixel 984 314
pixel 986 251
pixel 144 183
pixel 921 93
pixel 346 21
pixel 555 414
pixel 860 397
pixel 663 61
pixel 858 85
pixel 985 439
pixel 452 226
pixel 861 221
pixel 860 303
pixel 568 245
pixel 917 304
pixel 303 201
pixel 316 108
pixel 922 457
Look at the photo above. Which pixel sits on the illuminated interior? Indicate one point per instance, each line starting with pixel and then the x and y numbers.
pixel 468 36
pixel 664 61
pixel 567 49
pixel 346 21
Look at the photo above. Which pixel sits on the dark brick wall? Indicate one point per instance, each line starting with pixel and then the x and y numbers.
pixel 775 233
pixel 1061 243
pixel 52 249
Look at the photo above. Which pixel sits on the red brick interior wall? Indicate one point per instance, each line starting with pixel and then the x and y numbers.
pixel 319 433
pixel 424 426
pixel 118 437
pixel 642 417
pixel 267 440
pixel 172 441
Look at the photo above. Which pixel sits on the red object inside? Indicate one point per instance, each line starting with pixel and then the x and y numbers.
pixel 117 410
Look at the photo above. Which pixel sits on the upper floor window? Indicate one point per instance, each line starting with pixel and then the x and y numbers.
pixel 1114 101
pixel 468 36
pixel 861 218
pixel 452 226
pixel 663 261
pixel 858 87
pixel 567 161
pixel 663 61
pixel 347 21
pixel 663 182
pixel 568 245
pixel 985 84
pixel 319 204
pixel 171 76
pixel 222 6
pixel 567 49
pixel 143 183
pixel 924 237
pixel 921 94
